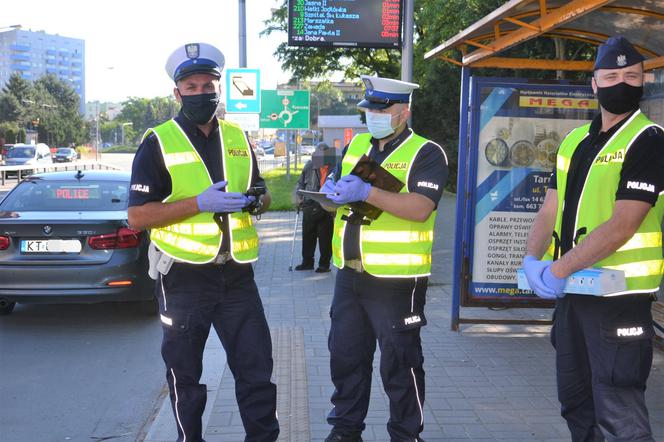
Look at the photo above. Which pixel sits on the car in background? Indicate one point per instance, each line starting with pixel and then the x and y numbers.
pixel 65 155
pixel 269 150
pixel 64 237
pixel 25 154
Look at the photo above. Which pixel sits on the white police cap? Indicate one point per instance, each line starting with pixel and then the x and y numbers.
pixel 384 92
pixel 195 58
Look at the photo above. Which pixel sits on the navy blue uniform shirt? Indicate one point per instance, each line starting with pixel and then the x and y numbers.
pixel 150 180
pixel 428 177
pixel 641 176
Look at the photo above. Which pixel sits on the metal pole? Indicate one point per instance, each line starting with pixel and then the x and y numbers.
pixel 407 50
pixel 461 247
pixel 242 6
pixel 287 154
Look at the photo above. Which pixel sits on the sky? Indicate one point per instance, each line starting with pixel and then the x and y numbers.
pixel 127 42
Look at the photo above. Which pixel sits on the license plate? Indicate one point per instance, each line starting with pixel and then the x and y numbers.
pixel 51 246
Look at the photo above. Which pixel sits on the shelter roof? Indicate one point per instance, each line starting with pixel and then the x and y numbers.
pixel 591 21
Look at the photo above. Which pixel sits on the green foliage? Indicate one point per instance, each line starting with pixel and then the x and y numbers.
pixel 145 113
pixel 22 136
pixel 10 108
pixel 48 105
pixel 281 187
pixel 436 103
pixel 121 149
pixel 8 133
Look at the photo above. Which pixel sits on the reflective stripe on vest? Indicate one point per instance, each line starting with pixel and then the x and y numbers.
pixel 389 246
pixel 197 239
pixel 641 256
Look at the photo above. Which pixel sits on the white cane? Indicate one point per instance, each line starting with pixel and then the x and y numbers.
pixel 292 249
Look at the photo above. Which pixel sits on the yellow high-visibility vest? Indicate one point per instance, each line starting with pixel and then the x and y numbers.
pixel 390 246
pixel 197 239
pixel 641 257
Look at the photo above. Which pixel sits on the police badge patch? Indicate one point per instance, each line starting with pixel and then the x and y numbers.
pixel 621 60
pixel 193 50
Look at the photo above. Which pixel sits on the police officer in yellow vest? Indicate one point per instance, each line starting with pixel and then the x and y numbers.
pixel 380 289
pixel 604 209
pixel 186 170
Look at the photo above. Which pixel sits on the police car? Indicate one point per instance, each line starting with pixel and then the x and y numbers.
pixel 64 237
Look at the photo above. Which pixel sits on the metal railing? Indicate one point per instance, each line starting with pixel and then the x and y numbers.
pixel 22 171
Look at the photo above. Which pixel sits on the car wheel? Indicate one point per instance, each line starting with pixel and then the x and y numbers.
pixel 6 306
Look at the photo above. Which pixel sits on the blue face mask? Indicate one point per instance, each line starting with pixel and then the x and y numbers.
pixel 379 125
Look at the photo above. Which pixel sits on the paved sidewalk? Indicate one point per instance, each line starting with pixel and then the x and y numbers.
pixel 488 382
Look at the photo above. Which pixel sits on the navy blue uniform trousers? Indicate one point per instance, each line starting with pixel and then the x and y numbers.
pixel 191 299
pixel 366 309
pixel 603 359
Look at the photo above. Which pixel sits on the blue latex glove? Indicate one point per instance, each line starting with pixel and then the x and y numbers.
pixel 553 283
pixel 534 268
pixel 213 199
pixel 350 188
pixel 328 186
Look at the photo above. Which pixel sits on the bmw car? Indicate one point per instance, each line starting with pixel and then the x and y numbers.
pixel 64 237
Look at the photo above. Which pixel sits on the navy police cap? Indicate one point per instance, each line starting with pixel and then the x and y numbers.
pixel 195 58
pixel 616 53
pixel 384 92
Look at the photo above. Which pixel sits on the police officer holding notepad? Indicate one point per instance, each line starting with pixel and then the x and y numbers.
pixel 187 170
pixel 384 263
pixel 604 209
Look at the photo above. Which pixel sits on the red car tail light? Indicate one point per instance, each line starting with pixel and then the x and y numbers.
pixel 4 242
pixel 124 238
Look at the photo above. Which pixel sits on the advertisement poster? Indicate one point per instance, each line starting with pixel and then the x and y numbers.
pixel 515 139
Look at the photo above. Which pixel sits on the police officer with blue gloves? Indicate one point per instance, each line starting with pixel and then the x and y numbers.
pixel 380 289
pixel 604 209
pixel 187 172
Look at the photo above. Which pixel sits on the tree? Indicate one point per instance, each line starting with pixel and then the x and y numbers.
pixel 10 108
pixel 18 86
pixel 8 133
pixel 145 113
pixel 436 103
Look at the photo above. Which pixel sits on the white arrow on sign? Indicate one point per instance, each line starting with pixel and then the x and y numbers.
pixel 240 105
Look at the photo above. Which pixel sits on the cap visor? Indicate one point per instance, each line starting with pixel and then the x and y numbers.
pixel 198 69
pixel 366 104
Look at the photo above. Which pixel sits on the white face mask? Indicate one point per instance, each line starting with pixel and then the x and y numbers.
pixel 379 125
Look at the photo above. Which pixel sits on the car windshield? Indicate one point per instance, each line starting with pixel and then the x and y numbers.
pixel 68 195
pixel 21 152
pixel 63 151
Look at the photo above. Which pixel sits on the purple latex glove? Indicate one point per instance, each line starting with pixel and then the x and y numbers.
pixel 350 188
pixel 328 186
pixel 534 268
pixel 213 199
pixel 554 284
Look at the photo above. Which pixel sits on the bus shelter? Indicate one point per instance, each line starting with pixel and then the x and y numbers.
pixel 510 130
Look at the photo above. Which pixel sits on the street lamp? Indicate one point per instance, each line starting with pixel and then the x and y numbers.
pixel 123 131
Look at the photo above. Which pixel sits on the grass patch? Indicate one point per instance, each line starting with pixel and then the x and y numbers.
pixel 281 187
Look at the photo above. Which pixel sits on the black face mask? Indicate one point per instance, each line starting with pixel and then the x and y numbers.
pixel 199 108
pixel 620 98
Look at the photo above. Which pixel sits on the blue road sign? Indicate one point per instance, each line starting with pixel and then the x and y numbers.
pixel 243 91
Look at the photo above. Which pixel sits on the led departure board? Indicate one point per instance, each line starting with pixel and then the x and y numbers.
pixel 353 23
